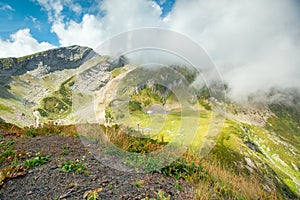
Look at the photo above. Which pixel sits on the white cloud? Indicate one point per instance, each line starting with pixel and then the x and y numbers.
pixel 76 7
pixel 119 16
pixel 53 8
pixel 21 43
pixel 122 16
pixel 5 6
pixel 255 44
pixel 86 33
pixel 93 29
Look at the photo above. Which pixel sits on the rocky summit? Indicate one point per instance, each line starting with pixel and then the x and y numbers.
pixel 46 62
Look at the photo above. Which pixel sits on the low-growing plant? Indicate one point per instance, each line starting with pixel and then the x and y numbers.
pixel 76 167
pixel 93 196
pixel 10 128
pixel 10 143
pixel 160 195
pixel 42 112
pixel 31 132
pixel 64 153
pixel 138 184
pixel 51 129
pixel 37 161
pixel 7 153
pixel 178 186
pixel 180 168
pixel 131 140
pixel 86 173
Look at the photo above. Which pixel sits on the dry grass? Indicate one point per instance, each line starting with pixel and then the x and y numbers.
pixel 213 182
pixel 122 137
pixel 10 128
pixel 223 183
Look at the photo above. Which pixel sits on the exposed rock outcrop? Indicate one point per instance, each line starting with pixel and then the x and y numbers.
pixel 48 61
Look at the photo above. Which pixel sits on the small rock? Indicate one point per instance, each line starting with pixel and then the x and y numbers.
pixel 105 181
pixel 295 166
pixel 249 168
pixel 250 163
pixel 54 167
pixel 267 188
pixel 29 193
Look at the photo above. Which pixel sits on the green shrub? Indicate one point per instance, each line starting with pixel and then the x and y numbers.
pixel 7 153
pixel 138 184
pixel 108 115
pixel 204 103
pixel 69 167
pixel 31 132
pixel 42 112
pixel 54 105
pixel 10 143
pixel 37 161
pixel 180 168
pixel 135 106
pixel 160 195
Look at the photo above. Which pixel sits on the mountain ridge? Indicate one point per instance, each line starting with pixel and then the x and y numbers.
pixel 260 139
pixel 52 60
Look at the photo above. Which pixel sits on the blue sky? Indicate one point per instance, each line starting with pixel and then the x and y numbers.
pixel 25 14
pixel 21 14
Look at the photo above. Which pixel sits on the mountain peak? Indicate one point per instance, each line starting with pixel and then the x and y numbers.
pixel 52 60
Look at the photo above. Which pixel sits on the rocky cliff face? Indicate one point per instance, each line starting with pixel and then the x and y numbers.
pixel 48 61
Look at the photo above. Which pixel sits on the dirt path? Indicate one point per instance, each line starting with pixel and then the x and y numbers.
pixel 107 94
pixel 49 182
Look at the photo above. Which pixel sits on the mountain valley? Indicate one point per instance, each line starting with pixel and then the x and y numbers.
pixel 245 150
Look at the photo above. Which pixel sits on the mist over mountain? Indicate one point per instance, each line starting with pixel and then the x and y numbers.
pixel 44 63
pixel 58 88
pixel 27 81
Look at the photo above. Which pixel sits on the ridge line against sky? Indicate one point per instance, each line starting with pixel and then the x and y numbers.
pixel 254 43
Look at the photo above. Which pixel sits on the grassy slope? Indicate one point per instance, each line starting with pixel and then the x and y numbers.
pixel 273 163
pixel 225 166
pixel 59 103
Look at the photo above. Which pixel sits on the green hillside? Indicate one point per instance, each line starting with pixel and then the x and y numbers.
pixel 150 120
